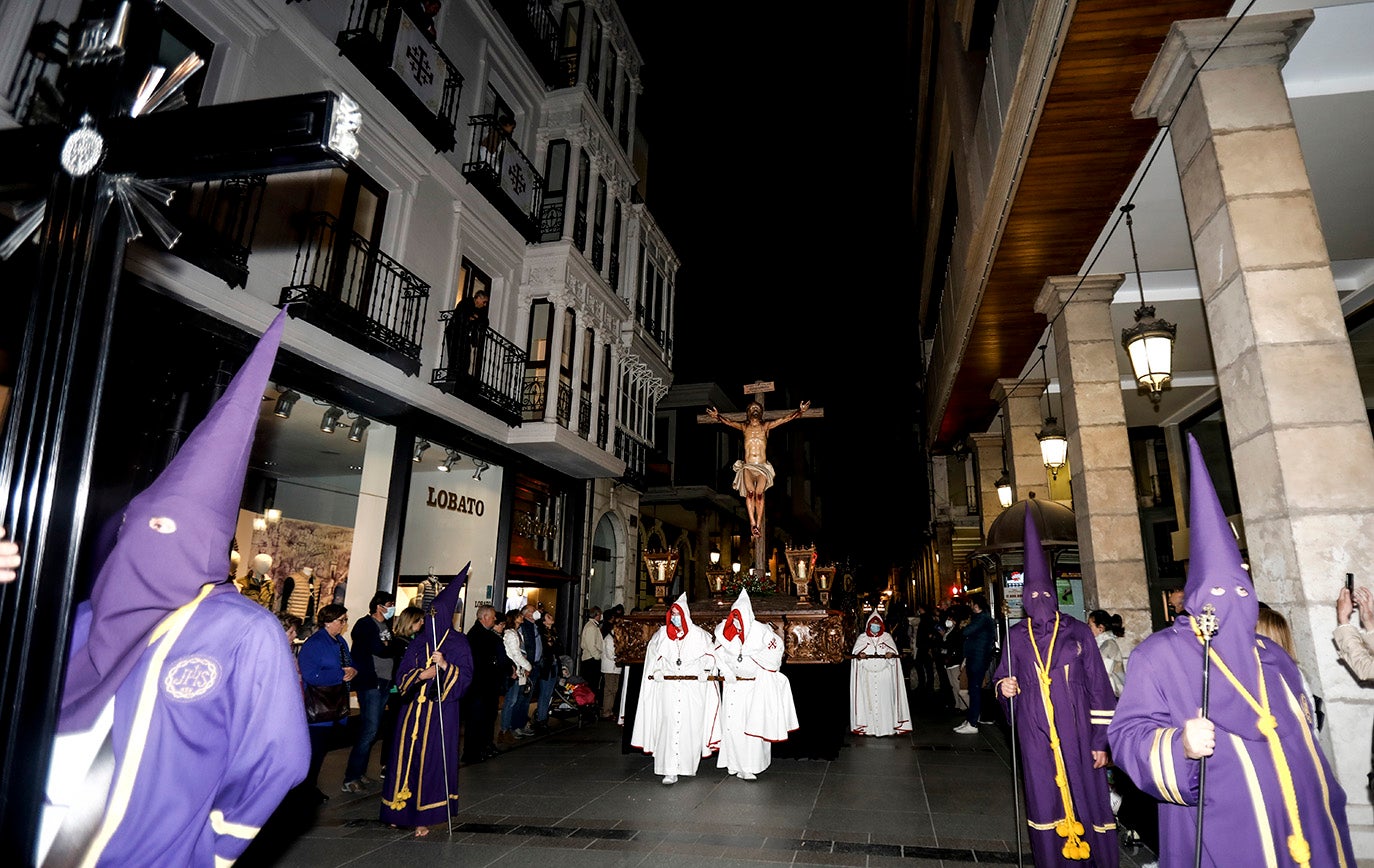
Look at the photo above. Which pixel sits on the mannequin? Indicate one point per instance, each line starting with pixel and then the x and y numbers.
pixel 428 589
pixel 257 582
pixel 298 594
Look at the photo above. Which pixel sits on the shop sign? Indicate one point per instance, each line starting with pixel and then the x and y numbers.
pixel 455 502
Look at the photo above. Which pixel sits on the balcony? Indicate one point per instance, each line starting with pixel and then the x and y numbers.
pixel 505 176
pixel 357 293
pixel 218 220
pixel 487 375
pixel 398 56
pixel 536 396
pixel 584 414
pixel 539 34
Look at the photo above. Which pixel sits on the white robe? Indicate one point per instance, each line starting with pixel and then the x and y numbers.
pixel 877 694
pixel 676 719
pixel 756 713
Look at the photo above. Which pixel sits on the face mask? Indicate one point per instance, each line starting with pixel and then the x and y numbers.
pixel 390 610
pixel 538 616
pixel 949 624
pixel 676 619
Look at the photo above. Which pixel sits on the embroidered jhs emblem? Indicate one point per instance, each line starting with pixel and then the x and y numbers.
pixel 190 678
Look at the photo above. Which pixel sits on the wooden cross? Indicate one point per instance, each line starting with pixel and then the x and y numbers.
pixel 101 151
pixel 758 389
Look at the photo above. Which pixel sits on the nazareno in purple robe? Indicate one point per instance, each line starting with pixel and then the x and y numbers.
pixel 208 730
pixel 1081 701
pixel 1253 813
pixel 420 787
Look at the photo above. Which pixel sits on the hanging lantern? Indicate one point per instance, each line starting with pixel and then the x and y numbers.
pixel 1054 445
pixel 1150 342
pixel 1003 485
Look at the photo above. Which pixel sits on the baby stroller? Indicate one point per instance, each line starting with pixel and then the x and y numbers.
pixel 572 696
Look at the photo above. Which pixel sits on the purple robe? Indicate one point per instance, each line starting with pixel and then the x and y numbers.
pixel 209 734
pixel 1245 821
pixel 1082 697
pixel 420 787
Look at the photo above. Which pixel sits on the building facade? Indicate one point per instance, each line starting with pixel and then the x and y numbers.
pixel 408 430
pixel 1079 163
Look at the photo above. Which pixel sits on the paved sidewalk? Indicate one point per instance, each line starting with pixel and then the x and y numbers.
pixel 571 798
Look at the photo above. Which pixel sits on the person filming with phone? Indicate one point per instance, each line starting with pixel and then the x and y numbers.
pixel 1353 638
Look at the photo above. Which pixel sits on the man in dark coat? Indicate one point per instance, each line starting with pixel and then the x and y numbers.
pixel 980 638
pixel 491 668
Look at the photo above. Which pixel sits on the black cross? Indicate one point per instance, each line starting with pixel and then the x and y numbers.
pixel 45 455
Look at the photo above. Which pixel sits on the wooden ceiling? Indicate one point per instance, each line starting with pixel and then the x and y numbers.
pixel 1086 149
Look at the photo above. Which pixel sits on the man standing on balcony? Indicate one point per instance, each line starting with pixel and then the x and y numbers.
pixel 465 333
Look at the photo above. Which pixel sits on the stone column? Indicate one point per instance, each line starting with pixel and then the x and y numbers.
pixel 988 447
pixel 1104 503
pixel 1022 415
pixel 1300 438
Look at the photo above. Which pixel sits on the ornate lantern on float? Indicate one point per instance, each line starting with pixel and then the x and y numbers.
pixel 716 575
pixel 662 566
pixel 825 579
pixel 801 561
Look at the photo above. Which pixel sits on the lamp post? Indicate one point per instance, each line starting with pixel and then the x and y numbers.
pixel 1150 342
pixel 1003 486
pixel 662 566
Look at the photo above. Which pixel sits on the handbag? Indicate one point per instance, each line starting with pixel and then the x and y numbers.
pixel 328 703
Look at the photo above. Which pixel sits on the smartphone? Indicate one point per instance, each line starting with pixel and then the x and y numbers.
pixel 1350 587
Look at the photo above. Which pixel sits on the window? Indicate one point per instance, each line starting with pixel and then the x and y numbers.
pixel 599 225
pixel 471 279
pixel 555 190
pixel 584 180
pixel 565 367
pixel 535 397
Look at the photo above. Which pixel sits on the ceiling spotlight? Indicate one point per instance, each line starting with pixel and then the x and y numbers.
pixel 285 401
pixel 331 418
pixel 420 447
pixel 481 466
pixel 355 433
pixel 451 458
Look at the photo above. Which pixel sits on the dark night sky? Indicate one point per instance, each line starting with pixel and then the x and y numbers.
pixel 778 148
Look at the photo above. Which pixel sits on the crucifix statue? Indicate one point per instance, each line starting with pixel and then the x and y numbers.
pixel 95 179
pixel 754 473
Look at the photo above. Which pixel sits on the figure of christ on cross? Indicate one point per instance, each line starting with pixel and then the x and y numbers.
pixel 754 474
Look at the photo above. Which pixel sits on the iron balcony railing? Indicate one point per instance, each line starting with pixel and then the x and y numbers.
pixel 564 408
pixel 613 272
pixel 580 229
pixel 357 293
pixel 218 220
pixel 636 457
pixel 486 374
pixel 33 90
pixel 538 33
pixel 505 176
pixel 603 426
pixel 534 396
pixel 397 55
pixel 551 219
pixel 598 247
pixel 584 417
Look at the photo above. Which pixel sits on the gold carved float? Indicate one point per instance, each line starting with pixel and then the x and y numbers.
pixel 811 633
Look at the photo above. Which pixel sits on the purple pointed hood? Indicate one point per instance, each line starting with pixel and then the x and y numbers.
pixel 438 622
pixel 174 540
pixel 1039 597
pixel 1217 583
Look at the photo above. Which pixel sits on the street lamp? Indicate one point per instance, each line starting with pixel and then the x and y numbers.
pixel 1054 440
pixel 1150 342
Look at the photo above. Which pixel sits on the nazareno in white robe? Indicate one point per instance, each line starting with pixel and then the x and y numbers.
pixel 678 713
pixel 877 693
pixel 757 708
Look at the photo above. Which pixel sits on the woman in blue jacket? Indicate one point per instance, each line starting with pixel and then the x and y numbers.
pixel 324 661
